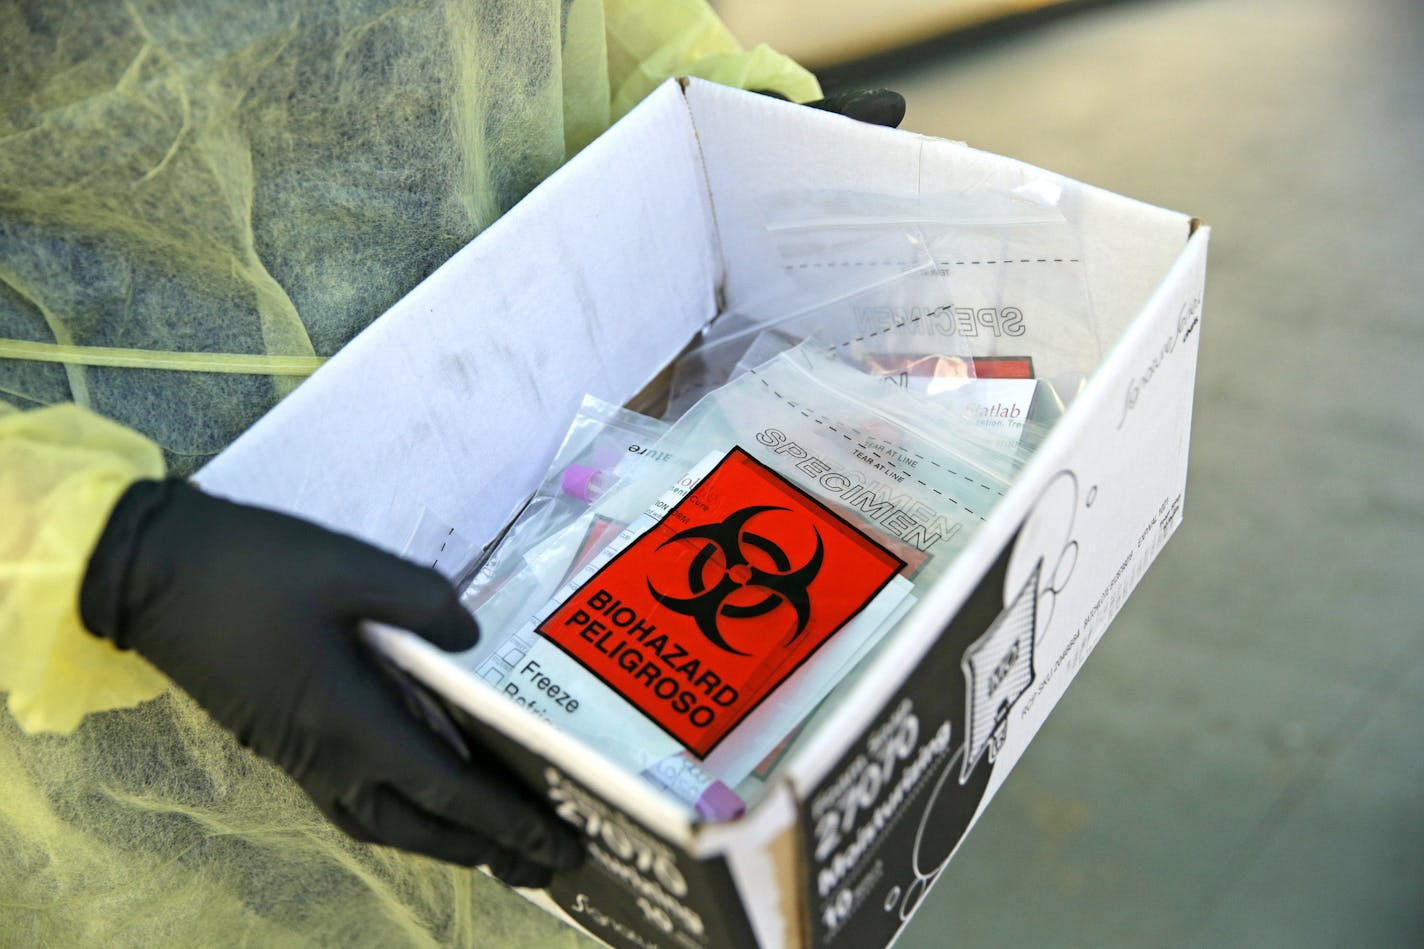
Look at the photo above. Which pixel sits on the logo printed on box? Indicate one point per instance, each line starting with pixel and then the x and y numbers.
pixel 706 613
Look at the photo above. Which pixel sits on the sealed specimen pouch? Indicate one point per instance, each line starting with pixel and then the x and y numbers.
pixel 997 394
pixel 745 586
pixel 834 274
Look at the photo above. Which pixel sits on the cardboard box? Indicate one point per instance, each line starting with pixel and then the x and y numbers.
pixel 427 432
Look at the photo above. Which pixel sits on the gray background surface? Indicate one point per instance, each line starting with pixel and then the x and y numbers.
pixel 1240 762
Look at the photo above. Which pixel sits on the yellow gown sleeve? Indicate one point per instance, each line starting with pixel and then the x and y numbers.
pixel 62 469
pixel 652 40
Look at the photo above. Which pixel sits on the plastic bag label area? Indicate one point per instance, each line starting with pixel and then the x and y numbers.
pixel 712 608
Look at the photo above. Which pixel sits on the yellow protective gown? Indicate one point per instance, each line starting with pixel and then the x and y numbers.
pixel 199 202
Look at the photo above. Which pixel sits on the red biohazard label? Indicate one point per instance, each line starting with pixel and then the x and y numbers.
pixel 713 607
pixel 1003 367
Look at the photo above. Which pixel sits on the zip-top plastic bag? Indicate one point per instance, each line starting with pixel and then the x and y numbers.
pixel 602 445
pixel 834 274
pixel 748 582
pixel 930 290
pixel 998 395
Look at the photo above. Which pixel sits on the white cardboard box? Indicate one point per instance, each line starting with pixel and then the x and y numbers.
pixel 427 432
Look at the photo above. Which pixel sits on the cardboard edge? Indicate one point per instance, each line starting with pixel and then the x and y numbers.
pixel 651 393
pixel 685 84
pixel 762 853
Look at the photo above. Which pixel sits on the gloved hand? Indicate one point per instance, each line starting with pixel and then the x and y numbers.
pixel 874 106
pixel 255 614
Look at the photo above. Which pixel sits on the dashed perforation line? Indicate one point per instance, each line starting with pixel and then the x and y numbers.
pixel 886 329
pixel 809 265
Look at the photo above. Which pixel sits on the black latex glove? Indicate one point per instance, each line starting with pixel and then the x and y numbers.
pixel 875 106
pixel 256 615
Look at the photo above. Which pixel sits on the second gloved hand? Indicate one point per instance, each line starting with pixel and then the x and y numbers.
pixel 871 106
pixel 256 615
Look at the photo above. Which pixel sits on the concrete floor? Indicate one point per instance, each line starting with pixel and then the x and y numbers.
pixel 1240 763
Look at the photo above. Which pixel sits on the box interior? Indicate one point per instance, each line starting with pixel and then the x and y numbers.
pixel 450 406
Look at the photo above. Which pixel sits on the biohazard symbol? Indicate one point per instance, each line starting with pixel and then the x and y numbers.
pixel 708 605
